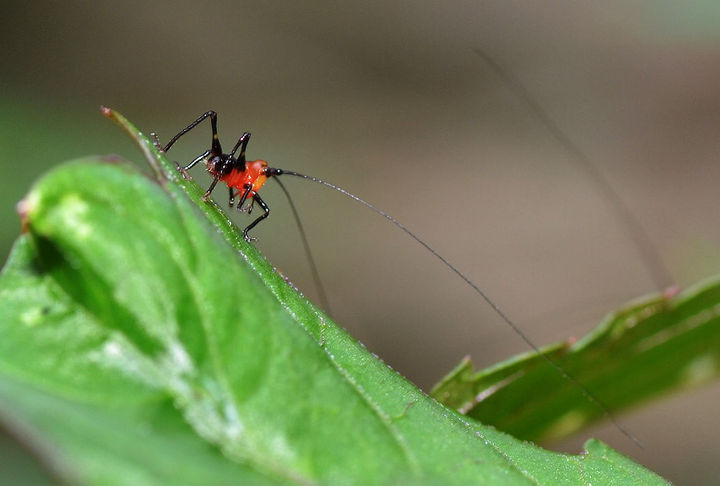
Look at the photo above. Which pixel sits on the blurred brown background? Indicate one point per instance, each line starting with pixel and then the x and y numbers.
pixel 388 100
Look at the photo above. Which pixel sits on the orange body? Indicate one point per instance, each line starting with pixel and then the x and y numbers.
pixel 254 174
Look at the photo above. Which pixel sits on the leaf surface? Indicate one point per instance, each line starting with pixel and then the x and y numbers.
pixel 145 342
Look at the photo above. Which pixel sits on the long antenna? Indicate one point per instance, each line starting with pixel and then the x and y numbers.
pixel 588 394
pixel 303 236
pixel 647 251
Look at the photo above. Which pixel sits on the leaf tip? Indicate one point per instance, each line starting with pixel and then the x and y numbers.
pixel 113 115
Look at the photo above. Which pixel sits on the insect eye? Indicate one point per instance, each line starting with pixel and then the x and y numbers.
pixel 214 163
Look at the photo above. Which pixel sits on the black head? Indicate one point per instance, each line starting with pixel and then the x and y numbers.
pixel 223 164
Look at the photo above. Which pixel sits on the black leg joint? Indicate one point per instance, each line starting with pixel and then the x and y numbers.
pixel 264 215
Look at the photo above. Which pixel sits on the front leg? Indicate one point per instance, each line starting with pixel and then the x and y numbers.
pixel 184 170
pixel 206 196
pixel 156 142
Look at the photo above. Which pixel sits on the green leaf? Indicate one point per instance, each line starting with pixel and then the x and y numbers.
pixel 653 346
pixel 145 342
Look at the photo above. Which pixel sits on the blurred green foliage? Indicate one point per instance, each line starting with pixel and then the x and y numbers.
pixel 34 137
pixel 653 346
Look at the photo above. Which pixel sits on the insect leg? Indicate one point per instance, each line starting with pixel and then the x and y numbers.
pixel 210 189
pixel 245 195
pixel 243 141
pixel 216 149
pixel 248 209
pixel 264 215
pixel 197 159
pixel 231 200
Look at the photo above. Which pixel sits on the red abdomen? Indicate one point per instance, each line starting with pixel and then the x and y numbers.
pixel 254 175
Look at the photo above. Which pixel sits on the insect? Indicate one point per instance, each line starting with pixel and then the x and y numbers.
pixel 245 178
